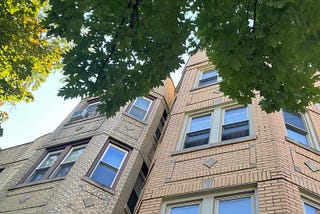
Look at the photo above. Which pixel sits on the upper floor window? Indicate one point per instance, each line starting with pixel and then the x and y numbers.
pixel 89 111
pixel 219 125
pixel 110 163
pixel 310 209
pixel 208 77
pixel 296 128
pixel 182 209
pixel 140 108
pixel 54 164
pixel 160 127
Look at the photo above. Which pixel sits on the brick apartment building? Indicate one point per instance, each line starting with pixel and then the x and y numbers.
pixel 211 156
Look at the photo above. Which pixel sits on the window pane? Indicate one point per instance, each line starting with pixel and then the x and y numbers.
pixel 51 158
pixel 238 206
pixel 235 130
pixel 138 113
pixel 91 110
pixel 294 119
pixel 142 103
pixel 208 74
pixel 104 175
pixel 114 157
pixel 197 138
pixel 188 209
pixel 235 115
pixel 308 209
pixel 74 155
pixel 37 174
pixel 63 170
pixel 208 81
pixel 133 199
pixel 301 138
pixel 200 123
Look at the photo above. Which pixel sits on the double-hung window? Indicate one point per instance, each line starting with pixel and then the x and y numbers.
pixel 236 123
pixel 208 77
pixel 296 127
pixel 140 108
pixel 217 126
pixel 310 209
pixel 109 165
pixel 55 163
pixel 90 110
pixel 215 204
pixel 199 131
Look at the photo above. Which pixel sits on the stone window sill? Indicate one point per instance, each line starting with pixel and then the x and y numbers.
pixel 17 186
pixel 311 149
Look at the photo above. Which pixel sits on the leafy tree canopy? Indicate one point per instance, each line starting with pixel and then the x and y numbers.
pixel 124 48
pixel 26 55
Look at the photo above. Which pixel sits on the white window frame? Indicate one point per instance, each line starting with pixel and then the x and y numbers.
pixel 208 202
pixel 199 77
pixel 310 133
pixel 146 110
pixel 217 121
pixel 120 166
pixel 307 199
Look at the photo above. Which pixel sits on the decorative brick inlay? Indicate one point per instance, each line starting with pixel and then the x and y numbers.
pixel 24 198
pixel 311 166
pixel 210 162
pixel 88 202
pixel 207 183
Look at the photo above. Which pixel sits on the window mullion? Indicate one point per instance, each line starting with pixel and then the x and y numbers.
pixel 57 162
pixel 215 126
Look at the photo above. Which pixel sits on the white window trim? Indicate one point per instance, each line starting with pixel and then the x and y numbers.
pixel 120 167
pixel 311 135
pixel 208 202
pixel 306 198
pixel 217 117
pixel 199 75
pixel 147 110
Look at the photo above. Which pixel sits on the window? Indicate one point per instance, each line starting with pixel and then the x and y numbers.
pixel 233 202
pixel 89 111
pixel 217 126
pixel 199 131
pixel 54 164
pixel 310 209
pixel 208 77
pixel 236 123
pixel 241 205
pixel 160 127
pixel 108 167
pixel 295 127
pixel 137 189
pixel 140 108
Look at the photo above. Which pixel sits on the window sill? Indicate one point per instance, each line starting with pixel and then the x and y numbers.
pixel 141 121
pixel 311 149
pixel 71 122
pixel 35 183
pixel 96 184
pixel 212 145
pixel 205 86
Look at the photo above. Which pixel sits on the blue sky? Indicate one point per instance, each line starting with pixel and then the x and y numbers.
pixel 28 121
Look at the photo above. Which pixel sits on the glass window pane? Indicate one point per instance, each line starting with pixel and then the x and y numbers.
pixel 239 206
pixel 91 110
pixel 142 103
pixel 138 113
pixel 104 175
pixel 197 139
pixel 301 138
pixel 50 159
pixel 235 130
pixel 74 155
pixel 37 174
pixel 208 74
pixel 200 123
pixel 308 209
pixel 63 170
pixel 188 209
pixel 208 81
pixel 235 115
pixel 114 157
pixel 294 119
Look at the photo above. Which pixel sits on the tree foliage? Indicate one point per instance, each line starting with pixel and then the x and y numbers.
pixel 124 48
pixel 26 55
